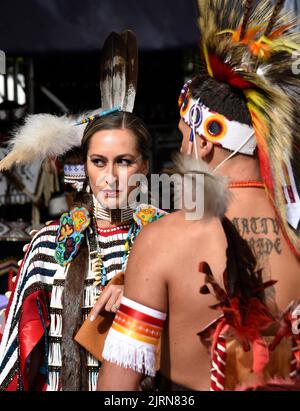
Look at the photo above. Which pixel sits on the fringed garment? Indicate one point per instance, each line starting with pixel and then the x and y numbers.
pixel 232 366
pixel 35 311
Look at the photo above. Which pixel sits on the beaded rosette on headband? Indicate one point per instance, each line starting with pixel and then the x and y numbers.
pixel 214 127
pixel 251 46
pixel 45 135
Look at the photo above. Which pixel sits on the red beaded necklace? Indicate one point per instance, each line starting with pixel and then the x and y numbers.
pixel 247 184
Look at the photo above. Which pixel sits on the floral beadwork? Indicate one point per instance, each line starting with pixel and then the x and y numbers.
pixel 69 235
pixel 146 214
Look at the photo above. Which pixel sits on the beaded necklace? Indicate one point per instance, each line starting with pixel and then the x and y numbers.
pixel 112 215
pixel 98 266
pixel 247 184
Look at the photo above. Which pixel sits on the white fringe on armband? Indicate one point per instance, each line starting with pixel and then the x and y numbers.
pixel 133 339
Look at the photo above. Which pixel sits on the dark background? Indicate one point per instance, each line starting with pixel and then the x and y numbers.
pixel 57 44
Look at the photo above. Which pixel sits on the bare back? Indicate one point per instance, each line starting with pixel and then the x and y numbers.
pixel 172 282
pixel 182 246
pixel 185 359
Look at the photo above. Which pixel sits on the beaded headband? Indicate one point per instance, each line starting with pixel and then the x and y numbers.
pixel 215 127
pixel 90 118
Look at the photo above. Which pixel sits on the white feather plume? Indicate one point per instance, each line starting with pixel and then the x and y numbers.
pixel 42 136
pixel 216 193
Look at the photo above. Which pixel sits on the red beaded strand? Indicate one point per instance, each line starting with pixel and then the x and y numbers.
pixel 246 184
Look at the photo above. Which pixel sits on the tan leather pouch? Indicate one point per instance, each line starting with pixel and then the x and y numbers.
pixel 92 334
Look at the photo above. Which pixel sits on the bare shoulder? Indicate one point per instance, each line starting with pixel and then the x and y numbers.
pixel 152 239
pixel 167 231
pixel 150 253
pixel 149 264
pixel 163 226
pixel 159 236
pixel 169 247
pixel 172 236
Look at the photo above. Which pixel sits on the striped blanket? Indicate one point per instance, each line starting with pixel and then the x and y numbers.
pixel 29 308
pixel 28 312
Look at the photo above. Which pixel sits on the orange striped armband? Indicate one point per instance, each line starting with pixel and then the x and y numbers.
pixel 134 337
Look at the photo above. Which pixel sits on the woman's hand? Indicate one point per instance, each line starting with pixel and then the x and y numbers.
pixel 109 300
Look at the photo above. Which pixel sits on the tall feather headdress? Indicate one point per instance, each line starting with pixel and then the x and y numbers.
pixel 45 135
pixel 252 46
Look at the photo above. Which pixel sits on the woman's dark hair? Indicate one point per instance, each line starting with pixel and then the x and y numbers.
pixel 119 120
pixel 221 97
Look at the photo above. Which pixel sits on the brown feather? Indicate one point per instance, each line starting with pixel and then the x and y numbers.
pixel 113 72
pixel 277 9
pixel 106 73
pixel 248 9
pixel 130 42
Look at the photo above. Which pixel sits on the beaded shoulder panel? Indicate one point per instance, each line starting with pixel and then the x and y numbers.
pixel 146 214
pixel 70 234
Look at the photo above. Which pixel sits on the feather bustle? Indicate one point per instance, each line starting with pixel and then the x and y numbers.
pixel 273 101
pixel 277 9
